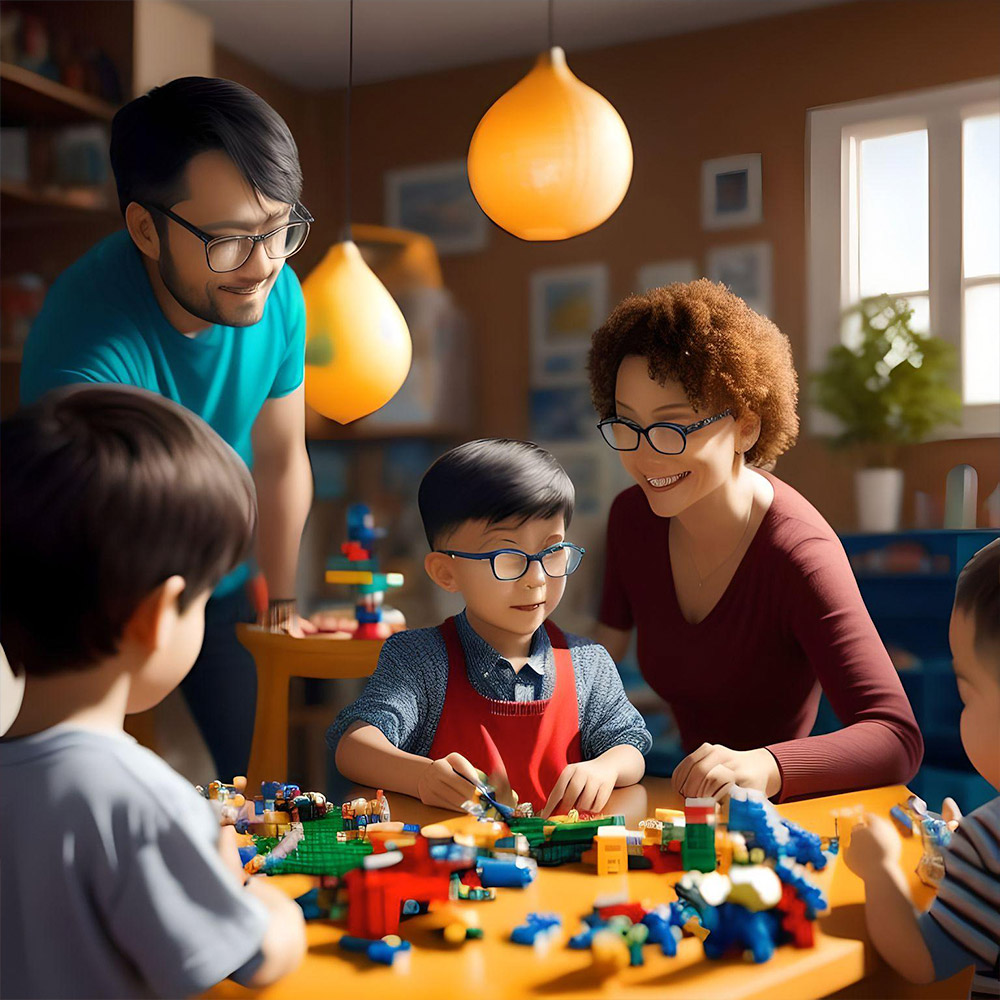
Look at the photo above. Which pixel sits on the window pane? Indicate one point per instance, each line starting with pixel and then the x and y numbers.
pixel 981 195
pixel 892 206
pixel 981 345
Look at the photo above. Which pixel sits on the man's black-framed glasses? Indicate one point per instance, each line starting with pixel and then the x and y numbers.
pixel 557 560
pixel 666 438
pixel 229 253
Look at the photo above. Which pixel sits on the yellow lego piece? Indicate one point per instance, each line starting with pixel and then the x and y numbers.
pixel 612 850
pixel 669 815
pixel 349 576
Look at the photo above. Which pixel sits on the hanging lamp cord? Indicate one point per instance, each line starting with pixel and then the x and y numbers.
pixel 347 124
pixel 552 34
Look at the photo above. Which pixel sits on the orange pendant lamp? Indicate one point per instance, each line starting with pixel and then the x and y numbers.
pixel 358 347
pixel 551 158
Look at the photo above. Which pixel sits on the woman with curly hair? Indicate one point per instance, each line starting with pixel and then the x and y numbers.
pixel 743 600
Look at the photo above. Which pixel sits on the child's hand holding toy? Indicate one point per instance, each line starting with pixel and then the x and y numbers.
pixel 445 782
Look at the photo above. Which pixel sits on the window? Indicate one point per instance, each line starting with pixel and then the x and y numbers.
pixel 904 198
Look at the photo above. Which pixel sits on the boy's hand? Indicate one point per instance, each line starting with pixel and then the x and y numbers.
pixel 874 845
pixel 710 770
pixel 440 785
pixel 951 814
pixel 585 786
pixel 229 852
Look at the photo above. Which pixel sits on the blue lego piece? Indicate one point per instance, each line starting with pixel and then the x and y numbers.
pixel 502 874
pixel 763 827
pixel 246 853
pixel 376 949
pixel 537 925
pixel 739 928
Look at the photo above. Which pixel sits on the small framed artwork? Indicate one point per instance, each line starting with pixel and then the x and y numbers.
pixel 437 201
pixel 665 272
pixel 731 192
pixel 562 413
pixel 746 271
pixel 567 306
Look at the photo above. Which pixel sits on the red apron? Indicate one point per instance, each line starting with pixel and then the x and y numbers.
pixel 532 741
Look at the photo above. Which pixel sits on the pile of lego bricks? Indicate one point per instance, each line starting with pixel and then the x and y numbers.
pixel 744 885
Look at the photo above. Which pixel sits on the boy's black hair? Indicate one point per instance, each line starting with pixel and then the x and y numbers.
pixel 107 492
pixel 154 136
pixel 977 594
pixel 491 480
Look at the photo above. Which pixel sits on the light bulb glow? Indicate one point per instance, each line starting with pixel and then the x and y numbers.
pixel 358 346
pixel 551 158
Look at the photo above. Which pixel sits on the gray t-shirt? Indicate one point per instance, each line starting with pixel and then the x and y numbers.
pixel 111 884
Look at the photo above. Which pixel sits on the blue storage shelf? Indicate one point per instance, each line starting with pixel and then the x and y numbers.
pixel 911 611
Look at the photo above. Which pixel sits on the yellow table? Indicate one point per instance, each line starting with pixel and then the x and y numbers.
pixel 841 964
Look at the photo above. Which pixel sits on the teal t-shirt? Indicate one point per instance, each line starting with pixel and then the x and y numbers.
pixel 102 323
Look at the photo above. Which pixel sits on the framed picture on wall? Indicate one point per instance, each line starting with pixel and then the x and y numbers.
pixel 746 271
pixel 731 192
pixel 567 306
pixel 665 272
pixel 436 200
pixel 562 413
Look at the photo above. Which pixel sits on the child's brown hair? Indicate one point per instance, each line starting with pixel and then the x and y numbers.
pixel 107 492
pixel 977 594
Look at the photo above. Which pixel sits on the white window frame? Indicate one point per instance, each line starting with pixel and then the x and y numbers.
pixel 832 134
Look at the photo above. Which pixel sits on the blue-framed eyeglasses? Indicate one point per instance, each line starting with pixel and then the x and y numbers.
pixel 666 438
pixel 557 560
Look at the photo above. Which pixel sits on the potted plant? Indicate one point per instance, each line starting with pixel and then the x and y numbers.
pixel 887 385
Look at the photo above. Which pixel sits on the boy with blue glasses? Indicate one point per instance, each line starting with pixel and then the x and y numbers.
pixel 499 686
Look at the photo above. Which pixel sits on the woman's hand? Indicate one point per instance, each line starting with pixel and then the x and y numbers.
pixel 708 771
pixel 585 786
pixel 441 782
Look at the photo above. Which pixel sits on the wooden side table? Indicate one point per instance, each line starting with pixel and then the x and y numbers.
pixel 279 657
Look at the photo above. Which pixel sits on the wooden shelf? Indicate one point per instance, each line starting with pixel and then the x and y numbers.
pixel 29 98
pixel 24 205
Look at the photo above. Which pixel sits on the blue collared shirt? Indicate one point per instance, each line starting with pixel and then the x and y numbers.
pixel 405 696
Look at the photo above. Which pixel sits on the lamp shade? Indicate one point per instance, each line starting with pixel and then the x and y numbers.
pixel 551 158
pixel 357 344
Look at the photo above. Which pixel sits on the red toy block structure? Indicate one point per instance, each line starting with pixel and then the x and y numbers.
pixel 376 895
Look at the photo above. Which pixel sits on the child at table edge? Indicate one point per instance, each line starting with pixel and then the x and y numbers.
pixel 498 687
pixel 121 511
pixel 962 926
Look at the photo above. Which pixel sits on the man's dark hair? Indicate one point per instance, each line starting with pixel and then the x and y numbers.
pixel 107 492
pixel 154 137
pixel 491 480
pixel 977 594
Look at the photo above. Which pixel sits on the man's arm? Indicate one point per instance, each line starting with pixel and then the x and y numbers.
pixel 284 484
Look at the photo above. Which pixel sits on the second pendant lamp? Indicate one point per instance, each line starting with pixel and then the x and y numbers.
pixel 551 158
pixel 358 347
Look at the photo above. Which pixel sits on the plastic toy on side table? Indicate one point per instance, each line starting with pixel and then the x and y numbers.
pixel 358 568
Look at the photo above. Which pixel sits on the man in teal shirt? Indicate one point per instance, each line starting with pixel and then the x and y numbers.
pixel 193 301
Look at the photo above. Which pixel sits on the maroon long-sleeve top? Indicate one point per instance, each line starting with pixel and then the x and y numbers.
pixel 791 622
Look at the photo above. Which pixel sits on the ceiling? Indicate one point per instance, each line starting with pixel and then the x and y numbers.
pixel 304 42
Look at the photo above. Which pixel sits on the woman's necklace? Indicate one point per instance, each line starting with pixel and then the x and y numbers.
pixel 736 548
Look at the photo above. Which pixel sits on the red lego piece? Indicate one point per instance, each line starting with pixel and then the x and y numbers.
pixel 794 921
pixel 368 630
pixel 354 551
pixel 634 911
pixel 663 861
pixel 376 895
pixel 674 846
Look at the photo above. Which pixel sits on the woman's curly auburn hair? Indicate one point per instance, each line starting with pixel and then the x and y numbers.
pixel 721 351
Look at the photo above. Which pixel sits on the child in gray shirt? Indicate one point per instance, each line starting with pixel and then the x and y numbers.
pixel 121 510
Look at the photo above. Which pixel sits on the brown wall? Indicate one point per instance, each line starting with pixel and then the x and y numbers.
pixel 737 89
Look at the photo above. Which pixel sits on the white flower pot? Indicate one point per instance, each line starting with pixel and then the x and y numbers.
pixel 879 495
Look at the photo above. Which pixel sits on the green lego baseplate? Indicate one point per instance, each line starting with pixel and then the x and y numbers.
pixel 319 852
